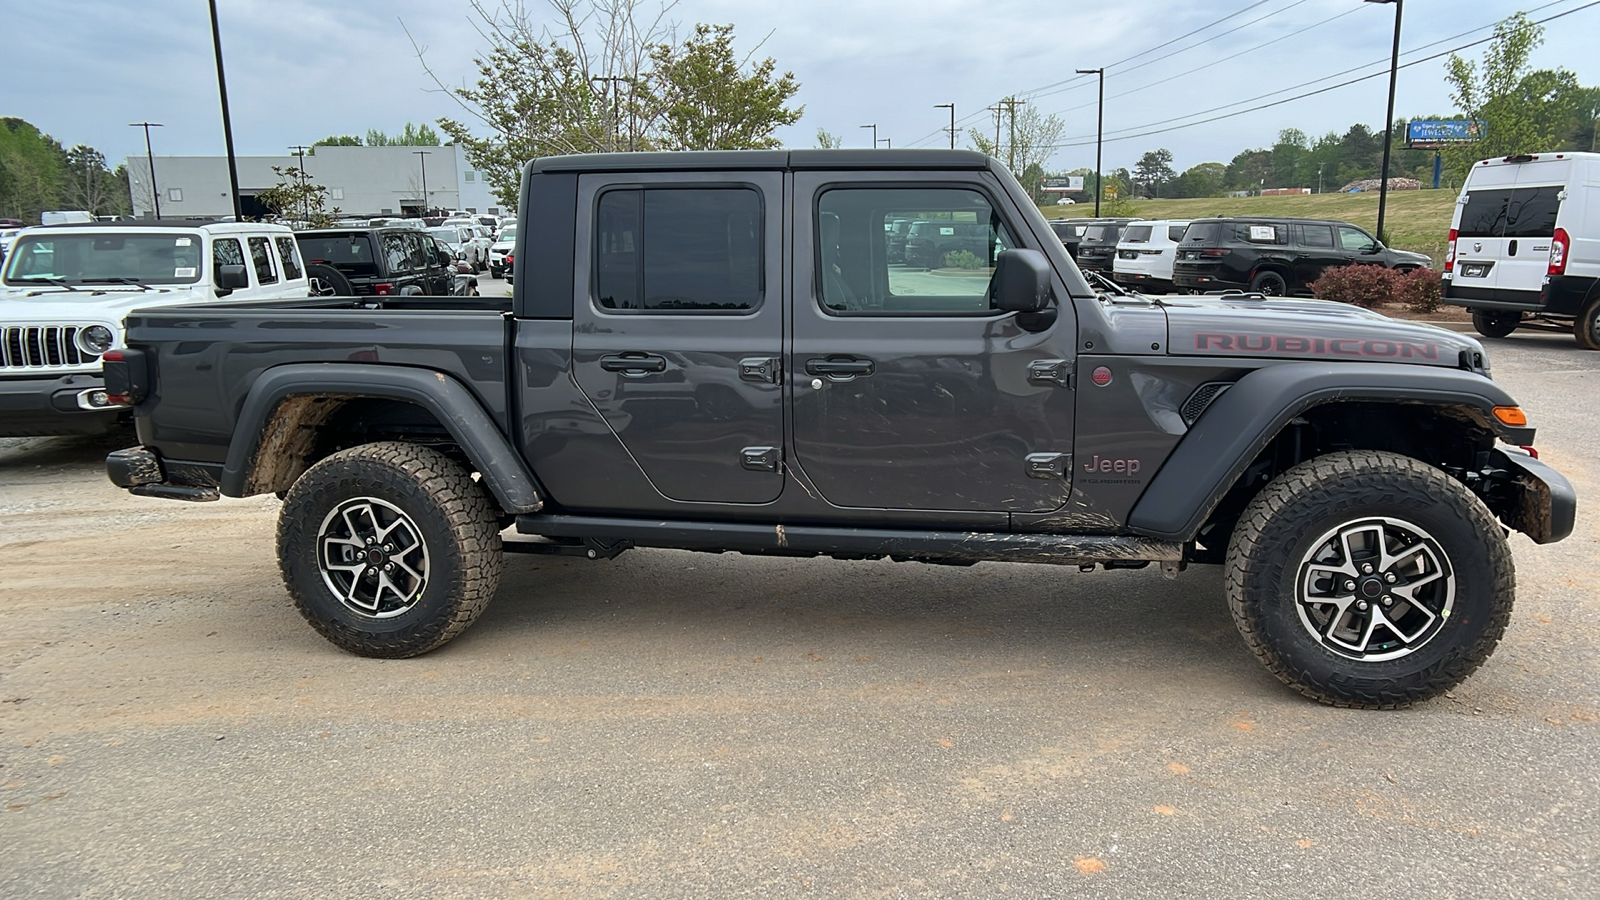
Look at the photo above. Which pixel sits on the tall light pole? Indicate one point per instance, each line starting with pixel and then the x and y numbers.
pixel 155 195
pixel 888 143
pixel 305 196
pixel 1099 133
pixel 422 156
pixel 952 129
pixel 227 124
pixel 874 127
pixel 1388 121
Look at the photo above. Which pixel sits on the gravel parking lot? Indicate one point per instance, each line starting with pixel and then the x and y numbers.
pixel 678 724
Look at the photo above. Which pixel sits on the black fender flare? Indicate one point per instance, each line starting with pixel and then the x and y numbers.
pixel 1240 423
pixel 448 400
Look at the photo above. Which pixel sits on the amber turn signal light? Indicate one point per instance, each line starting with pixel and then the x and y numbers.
pixel 1511 415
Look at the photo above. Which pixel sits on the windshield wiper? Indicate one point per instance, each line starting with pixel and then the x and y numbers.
pixel 58 282
pixel 133 281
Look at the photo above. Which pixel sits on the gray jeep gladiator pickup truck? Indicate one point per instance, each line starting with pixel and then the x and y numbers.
pixel 713 352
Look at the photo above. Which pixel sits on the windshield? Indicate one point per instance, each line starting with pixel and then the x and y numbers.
pixel 448 235
pixel 1101 234
pixel 508 233
pixel 101 258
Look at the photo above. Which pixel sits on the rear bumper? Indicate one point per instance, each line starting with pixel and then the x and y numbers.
pixel 1562 295
pixel 142 471
pixel 32 407
pixel 1206 282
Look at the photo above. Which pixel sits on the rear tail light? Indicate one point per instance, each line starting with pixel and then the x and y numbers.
pixel 1215 252
pixel 382 290
pixel 1558 252
pixel 1450 251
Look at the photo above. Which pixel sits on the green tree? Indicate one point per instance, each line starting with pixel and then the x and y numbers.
pixel 1154 173
pixel 1030 141
pixel 1289 156
pixel 336 140
pixel 298 198
pixel 711 104
pixel 606 77
pixel 411 136
pixel 32 171
pixel 826 140
pixel 1497 93
pixel 88 185
pixel 1203 180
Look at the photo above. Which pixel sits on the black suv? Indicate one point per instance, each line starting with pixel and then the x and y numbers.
pixel 1276 257
pixel 930 241
pixel 349 262
pixel 1097 249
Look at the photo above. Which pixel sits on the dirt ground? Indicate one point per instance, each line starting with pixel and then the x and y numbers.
pixel 679 725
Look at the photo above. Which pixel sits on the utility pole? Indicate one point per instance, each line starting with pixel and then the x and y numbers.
pixel 1388 122
pixel 1010 103
pixel 305 197
pixel 1099 133
pixel 155 195
pixel 227 124
pixel 1319 177
pixel 874 127
pixel 996 110
pixel 952 128
pixel 616 115
pixel 423 155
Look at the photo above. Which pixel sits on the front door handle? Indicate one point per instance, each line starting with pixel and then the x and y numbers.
pixel 634 364
pixel 839 368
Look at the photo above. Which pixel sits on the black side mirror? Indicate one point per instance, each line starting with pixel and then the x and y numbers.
pixel 1021 281
pixel 232 277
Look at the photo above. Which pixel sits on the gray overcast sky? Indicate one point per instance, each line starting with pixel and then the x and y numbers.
pixel 299 70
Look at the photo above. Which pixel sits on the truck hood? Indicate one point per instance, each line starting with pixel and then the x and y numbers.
pixel 20 306
pixel 1306 329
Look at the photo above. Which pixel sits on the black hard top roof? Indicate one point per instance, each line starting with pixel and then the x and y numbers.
pixel 1272 220
pixel 691 160
pixel 139 223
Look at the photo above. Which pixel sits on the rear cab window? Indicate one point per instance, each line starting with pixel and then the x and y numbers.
pixel 351 254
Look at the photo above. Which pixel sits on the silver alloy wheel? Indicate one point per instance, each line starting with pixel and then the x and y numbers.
pixel 372 557
pixel 1374 589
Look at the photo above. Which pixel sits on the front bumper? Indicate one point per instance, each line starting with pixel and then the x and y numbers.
pixel 59 405
pixel 1542 503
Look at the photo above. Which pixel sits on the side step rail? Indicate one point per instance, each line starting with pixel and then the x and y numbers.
pixel 593 536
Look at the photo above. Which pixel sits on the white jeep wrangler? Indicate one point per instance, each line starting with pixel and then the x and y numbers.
pixel 65 290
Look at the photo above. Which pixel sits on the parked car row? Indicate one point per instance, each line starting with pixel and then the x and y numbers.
pixel 1273 256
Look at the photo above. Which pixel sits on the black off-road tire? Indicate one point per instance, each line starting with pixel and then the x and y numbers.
pixel 1586 328
pixel 1269 284
pixel 325 278
pixel 1495 323
pixel 436 502
pixel 1291 517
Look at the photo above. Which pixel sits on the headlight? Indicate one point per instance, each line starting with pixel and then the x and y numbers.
pixel 95 340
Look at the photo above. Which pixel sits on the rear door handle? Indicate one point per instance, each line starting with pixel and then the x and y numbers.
pixel 634 364
pixel 839 367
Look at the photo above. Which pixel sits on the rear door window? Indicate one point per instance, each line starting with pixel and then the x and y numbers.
pixel 290 254
pixel 1318 236
pixel 674 250
pixel 1531 212
pixel 261 255
pixel 1259 233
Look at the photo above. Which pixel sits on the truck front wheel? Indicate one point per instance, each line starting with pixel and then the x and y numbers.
pixel 388 549
pixel 1369 579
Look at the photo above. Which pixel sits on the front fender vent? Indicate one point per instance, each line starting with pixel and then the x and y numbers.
pixel 1200 399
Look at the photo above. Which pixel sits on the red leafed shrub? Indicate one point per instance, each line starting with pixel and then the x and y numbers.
pixel 1363 286
pixel 1373 286
pixel 1420 290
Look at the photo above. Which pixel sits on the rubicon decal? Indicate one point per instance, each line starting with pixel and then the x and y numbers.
pixel 1295 345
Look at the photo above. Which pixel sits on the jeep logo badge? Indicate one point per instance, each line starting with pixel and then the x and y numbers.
pixel 1101 376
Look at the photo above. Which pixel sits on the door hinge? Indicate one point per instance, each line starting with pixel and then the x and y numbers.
pixel 760 459
pixel 1053 372
pixel 759 368
pixel 1048 465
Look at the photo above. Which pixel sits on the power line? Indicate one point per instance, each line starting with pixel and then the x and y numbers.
pixel 1078 142
pixel 967 120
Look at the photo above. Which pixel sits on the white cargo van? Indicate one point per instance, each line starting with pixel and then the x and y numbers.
pixel 66 289
pixel 1525 245
pixel 1146 252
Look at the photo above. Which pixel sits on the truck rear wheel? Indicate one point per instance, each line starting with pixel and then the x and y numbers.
pixel 1587 326
pixel 1369 579
pixel 1490 323
pixel 388 549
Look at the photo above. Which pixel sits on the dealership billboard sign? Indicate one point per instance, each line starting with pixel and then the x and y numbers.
pixel 1067 185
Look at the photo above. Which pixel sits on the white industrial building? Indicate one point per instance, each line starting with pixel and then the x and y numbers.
pixel 360 181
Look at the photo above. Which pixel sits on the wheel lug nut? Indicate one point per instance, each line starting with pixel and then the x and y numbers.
pixel 1362 605
pixel 389 548
pixel 1367 569
pixel 1391 577
pixel 1349 585
pixel 388 567
pixel 1388 601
